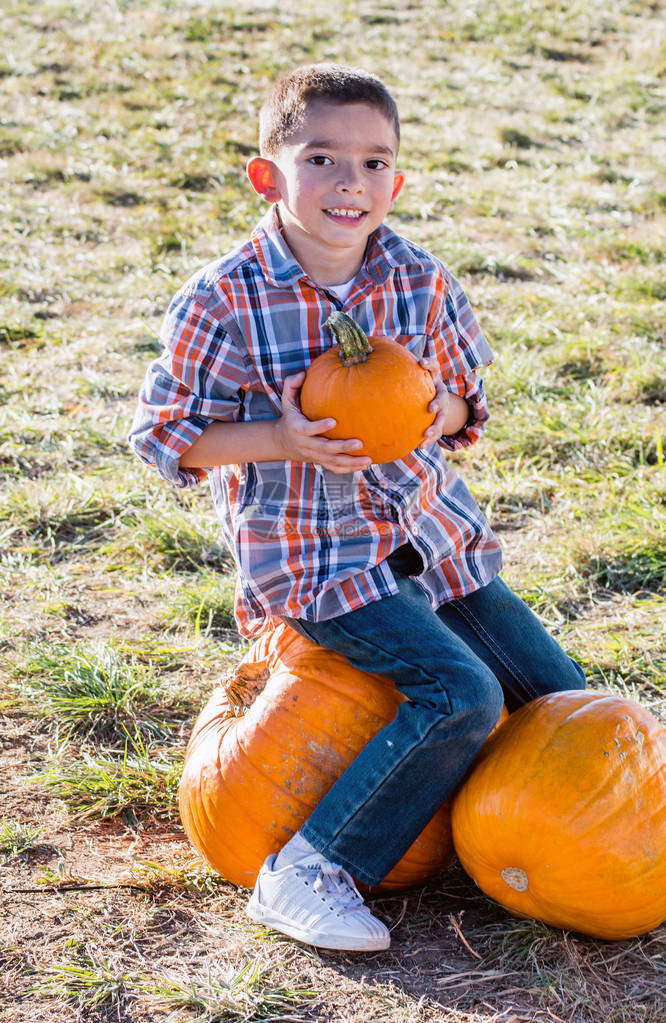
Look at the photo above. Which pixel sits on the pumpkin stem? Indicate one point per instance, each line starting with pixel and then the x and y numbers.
pixel 352 339
pixel 244 684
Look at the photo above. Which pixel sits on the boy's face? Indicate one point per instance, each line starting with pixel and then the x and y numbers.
pixel 335 181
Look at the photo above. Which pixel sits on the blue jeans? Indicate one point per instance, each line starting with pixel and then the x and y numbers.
pixel 456 666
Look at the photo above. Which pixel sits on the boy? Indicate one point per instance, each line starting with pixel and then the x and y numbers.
pixel 392 565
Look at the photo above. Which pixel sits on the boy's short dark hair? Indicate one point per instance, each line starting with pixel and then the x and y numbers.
pixel 286 105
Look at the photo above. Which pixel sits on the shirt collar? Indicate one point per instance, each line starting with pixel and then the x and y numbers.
pixel 386 250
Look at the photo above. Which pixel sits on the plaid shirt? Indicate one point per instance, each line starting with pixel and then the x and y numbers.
pixel 310 543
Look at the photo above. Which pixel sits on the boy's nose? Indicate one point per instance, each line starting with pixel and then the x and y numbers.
pixel 350 181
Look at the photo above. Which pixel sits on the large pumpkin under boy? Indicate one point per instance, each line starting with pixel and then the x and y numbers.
pixel 272 741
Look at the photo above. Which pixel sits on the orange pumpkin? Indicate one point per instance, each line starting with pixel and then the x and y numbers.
pixel 563 818
pixel 374 388
pixel 272 742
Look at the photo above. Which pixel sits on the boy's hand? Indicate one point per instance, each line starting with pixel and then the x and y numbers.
pixel 300 438
pixel 451 411
pixel 440 403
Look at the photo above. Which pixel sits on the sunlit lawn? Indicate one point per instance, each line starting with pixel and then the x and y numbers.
pixel 533 145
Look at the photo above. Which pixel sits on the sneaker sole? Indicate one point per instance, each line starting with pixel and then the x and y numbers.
pixel 342 942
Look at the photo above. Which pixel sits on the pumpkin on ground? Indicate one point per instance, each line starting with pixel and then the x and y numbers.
pixel 374 388
pixel 563 817
pixel 272 742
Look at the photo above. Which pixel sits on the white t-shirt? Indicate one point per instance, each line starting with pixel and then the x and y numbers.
pixel 340 290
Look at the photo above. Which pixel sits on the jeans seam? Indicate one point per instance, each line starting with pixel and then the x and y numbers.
pixel 498 651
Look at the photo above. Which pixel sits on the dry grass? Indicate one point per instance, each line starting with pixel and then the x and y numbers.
pixel 534 150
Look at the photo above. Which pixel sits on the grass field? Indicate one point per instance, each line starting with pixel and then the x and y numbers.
pixel 534 148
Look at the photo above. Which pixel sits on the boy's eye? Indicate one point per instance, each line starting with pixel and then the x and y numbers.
pixel 320 161
pixel 377 164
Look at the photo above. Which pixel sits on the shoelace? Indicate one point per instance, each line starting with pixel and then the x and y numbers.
pixel 338 886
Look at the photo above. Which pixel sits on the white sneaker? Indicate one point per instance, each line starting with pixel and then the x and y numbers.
pixel 317 902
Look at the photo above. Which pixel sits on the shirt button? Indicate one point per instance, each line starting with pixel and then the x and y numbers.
pixel 415 530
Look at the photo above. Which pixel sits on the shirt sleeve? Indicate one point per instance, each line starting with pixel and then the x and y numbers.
pixel 462 351
pixel 200 377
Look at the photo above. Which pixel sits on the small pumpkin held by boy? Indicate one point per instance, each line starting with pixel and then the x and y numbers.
pixel 317 376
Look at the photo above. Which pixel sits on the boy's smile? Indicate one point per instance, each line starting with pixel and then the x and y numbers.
pixel 334 180
pixel 346 214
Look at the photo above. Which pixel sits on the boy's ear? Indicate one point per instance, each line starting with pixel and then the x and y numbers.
pixel 398 182
pixel 261 173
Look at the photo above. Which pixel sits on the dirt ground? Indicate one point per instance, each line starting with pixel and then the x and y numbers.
pixel 119 910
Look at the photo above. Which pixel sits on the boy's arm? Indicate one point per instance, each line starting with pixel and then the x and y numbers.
pixel 289 437
pixel 199 379
pixel 190 404
pixel 460 350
